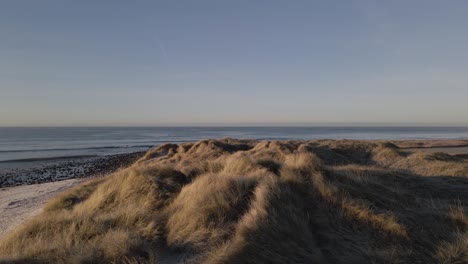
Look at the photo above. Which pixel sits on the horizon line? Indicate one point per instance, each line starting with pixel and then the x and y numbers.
pixel 250 124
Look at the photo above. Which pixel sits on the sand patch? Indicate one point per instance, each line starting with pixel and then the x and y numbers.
pixel 18 204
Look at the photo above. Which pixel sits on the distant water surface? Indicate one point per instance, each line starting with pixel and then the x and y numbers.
pixel 22 145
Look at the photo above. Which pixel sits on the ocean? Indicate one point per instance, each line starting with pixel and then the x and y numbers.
pixel 32 144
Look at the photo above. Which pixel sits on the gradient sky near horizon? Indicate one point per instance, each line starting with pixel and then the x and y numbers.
pixel 178 62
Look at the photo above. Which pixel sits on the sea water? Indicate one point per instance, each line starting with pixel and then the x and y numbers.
pixel 32 144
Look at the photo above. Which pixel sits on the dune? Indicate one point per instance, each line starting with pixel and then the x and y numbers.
pixel 248 201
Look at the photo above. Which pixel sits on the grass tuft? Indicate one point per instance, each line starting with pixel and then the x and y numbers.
pixel 247 201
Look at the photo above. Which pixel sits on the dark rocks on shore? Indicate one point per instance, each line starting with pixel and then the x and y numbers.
pixel 70 169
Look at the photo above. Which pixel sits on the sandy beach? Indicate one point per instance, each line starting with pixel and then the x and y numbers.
pixel 20 203
pixel 23 192
pixel 19 173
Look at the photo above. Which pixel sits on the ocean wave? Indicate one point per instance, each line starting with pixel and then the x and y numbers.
pixel 50 158
pixel 66 149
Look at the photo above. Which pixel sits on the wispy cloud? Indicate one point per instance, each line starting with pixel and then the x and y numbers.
pixel 160 44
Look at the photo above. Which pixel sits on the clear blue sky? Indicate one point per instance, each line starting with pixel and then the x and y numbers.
pixel 166 62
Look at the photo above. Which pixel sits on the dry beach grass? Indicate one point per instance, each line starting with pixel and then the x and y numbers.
pixel 247 201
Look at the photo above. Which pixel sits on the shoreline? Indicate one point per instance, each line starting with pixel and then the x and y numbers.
pixel 26 196
pixel 43 172
pixel 14 161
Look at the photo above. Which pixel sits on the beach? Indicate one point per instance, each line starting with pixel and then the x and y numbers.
pixel 20 203
pixel 36 172
pixel 24 191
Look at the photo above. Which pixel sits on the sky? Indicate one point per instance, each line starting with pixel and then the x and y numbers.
pixel 65 63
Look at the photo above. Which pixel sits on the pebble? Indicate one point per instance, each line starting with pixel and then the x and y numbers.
pixel 68 169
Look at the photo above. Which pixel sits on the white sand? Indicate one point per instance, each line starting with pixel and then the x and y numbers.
pixel 18 204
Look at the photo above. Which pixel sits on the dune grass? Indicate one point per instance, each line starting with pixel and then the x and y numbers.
pixel 245 201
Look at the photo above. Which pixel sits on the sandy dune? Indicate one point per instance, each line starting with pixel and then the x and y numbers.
pixel 20 203
pixel 427 144
pixel 351 201
pixel 449 150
